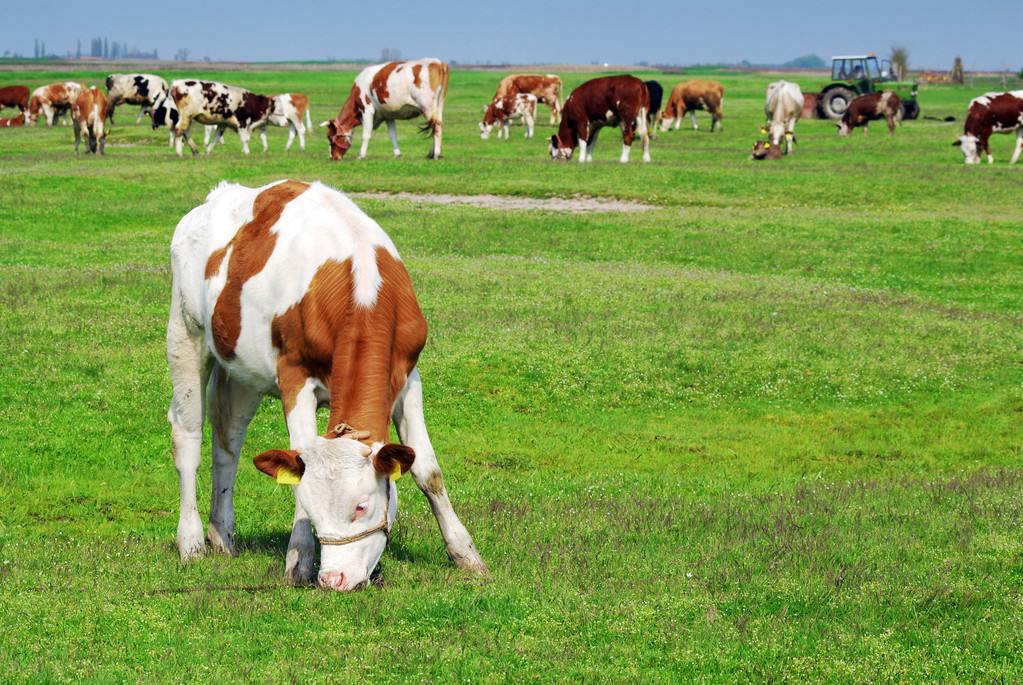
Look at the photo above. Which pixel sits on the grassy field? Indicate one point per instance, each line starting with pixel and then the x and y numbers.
pixel 769 430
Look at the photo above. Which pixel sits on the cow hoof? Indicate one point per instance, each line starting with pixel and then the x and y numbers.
pixel 191 550
pixel 221 544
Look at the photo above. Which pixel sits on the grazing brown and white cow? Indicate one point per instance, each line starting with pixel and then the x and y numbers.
pixel 870 107
pixel 389 92
pixel 52 101
pixel 134 89
pixel 209 102
pixel 500 112
pixel 783 106
pixel 289 110
pixel 14 96
pixel 606 101
pixel 290 289
pixel 16 121
pixel 88 113
pixel 690 96
pixel 992 113
pixel 546 88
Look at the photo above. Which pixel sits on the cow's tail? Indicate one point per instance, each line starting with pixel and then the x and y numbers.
pixel 308 120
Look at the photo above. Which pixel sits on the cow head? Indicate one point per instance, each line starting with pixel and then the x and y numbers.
pixel 968 144
pixel 765 149
pixel 559 150
pixel 491 116
pixel 344 487
pixel 845 125
pixel 339 137
pixel 164 111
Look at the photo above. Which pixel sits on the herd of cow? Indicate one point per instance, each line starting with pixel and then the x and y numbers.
pixel 386 93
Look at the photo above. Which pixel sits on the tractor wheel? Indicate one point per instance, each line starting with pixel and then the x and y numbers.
pixel 910 110
pixel 836 101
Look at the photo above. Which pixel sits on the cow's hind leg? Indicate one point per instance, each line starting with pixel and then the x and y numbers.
pixel 1019 146
pixel 189 363
pixel 411 424
pixel 231 407
pixel 392 131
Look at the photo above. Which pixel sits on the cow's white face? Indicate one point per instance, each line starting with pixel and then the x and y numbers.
pixel 557 151
pixel 343 487
pixel 843 127
pixel 340 139
pixel 485 130
pixel 968 144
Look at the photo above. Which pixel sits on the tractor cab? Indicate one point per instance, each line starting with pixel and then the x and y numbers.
pixel 853 75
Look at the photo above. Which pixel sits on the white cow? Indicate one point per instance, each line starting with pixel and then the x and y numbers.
pixel 291 290
pixel 783 108
pixel 389 92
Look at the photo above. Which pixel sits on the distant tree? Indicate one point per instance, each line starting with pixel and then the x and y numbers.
pixel 956 75
pixel 899 57
pixel 810 61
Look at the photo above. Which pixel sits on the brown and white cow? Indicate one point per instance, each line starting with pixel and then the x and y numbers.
pixel 16 121
pixel 783 105
pixel 871 107
pixel 212 103
pixel 501 111
pixel 134 89
pixel 52 101
pixel 546 88
pixel 290 289
pixel 389 92
pixel 690 96
pixel 606 101
pixel 992 113
pixel 14 96
pixel 88 113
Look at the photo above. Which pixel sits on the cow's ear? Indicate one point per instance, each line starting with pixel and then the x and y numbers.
pixel 958 143
pixel 393 460
pixel 554 142
pixel 284 466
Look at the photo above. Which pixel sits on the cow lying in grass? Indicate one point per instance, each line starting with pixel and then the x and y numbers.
pixel 290 289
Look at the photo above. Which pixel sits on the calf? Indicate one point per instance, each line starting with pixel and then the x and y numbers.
pixel 690 96
pixel 52 101
pixel 16 121
pixel 290 289
pixel 89 112
pixel 134 89
pixel 600 102
pixel 209 102
pixel 289 109
pixel 546 88
pixel 502 111
pixel 14 96
pixel 870 107
pixel 389 92
pixel 991 113
pixel 783 107
pixel 656 92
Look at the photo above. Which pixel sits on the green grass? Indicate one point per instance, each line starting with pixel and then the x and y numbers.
pixel 770 430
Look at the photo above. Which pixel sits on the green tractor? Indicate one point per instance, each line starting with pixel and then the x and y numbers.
pixel 853 75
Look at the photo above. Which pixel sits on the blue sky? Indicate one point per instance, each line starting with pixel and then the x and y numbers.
pixel 984 32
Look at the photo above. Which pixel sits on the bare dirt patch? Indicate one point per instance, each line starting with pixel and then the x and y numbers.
pixel 574 205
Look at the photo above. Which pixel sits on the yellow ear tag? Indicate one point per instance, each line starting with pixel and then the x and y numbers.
pixel 396 474
pixel 763 130
pixel 789 136
pixel 288 477
pixel 767 145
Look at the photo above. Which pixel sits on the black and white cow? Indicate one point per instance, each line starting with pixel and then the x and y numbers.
pixel 134 89
pixel 209 102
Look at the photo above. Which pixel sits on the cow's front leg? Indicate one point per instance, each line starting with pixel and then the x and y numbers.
pixel 78 136
pixel 300 128
pixel 367 132
pixel 231 407
pixel 138 119
pixel 582 151
pixel 411 425
pixel 244 134
pixel 392 131
pixel 298 396
pixel 628 136
pixel 692 115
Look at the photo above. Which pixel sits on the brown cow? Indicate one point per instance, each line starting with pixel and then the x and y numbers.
pixel 53 100
pixel 606 101
pixel 871 107
pixel 992 113
pixel 89 111
pixel 546 88
pixel 694 95
pixel 14 96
